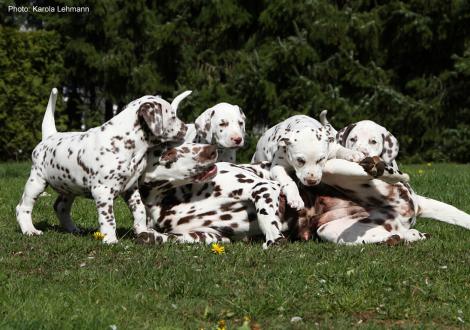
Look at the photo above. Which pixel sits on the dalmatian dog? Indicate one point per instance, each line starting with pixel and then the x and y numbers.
pixel 222 125
pixel 360 204
pixel 102 163
pixel 300 145
pixel 237 201
pixel 369 138
pixel 369 202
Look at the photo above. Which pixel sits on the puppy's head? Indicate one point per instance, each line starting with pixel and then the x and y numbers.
pixel 160 117
pixel 223 125
pixel 187 163
pixel 369 138
pixel 307 151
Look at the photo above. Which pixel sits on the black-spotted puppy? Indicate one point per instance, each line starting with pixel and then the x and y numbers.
pixel 299 145
pixel 222 125
pixel 238 202
pixel 102 163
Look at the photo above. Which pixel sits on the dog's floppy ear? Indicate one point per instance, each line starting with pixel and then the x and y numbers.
pixel 390 147
pixel 203 125
pixel 151 112
pixel 342 135
pixel 242 114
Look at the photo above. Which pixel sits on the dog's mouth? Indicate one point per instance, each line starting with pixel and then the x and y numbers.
pixel 206 175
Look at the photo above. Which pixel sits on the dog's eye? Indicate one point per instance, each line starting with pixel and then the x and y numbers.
pixel 373 141
pixel 300 160
pixel 240 123
pixel 353 139
pixel 223 124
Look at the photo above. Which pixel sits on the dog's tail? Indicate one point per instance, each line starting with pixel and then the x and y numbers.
pixel 324 121
pixel 48 122
pixel 430 208
pixel 176 101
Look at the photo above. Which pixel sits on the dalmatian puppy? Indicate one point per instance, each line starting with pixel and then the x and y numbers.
pixel 369 138
pixel 300 145
pixel 101 163
pixel 222 125
pixel 239 201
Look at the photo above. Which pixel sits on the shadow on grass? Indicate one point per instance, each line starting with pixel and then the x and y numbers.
pixel 122 232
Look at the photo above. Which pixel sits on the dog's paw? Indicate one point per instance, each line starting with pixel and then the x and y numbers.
pixel 151 238
pixel 293 199
pixel 110 239
pixel 373 166
pixel 355 156
pixel 33 232
pixel 280 241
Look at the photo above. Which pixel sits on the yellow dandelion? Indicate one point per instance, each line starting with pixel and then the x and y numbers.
pixel 98 235
pixel 429 164
pixel 217 248
pixel 420 171
pixel 221 323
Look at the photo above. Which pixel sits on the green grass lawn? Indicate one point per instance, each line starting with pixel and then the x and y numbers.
pixel 63 281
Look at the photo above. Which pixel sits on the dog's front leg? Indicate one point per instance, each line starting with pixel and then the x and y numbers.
pixel 288 186
pixel 104 200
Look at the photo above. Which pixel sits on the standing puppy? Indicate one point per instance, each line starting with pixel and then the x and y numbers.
pixel 222 125
pixel 102 163
pixel 302 145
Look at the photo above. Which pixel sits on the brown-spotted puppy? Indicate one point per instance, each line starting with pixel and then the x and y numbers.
pixel 369 202
pixel 238 202
pixel 101 163
pixel 299 145
pixel 222 125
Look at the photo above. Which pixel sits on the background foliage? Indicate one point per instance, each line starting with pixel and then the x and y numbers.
pixel 404 64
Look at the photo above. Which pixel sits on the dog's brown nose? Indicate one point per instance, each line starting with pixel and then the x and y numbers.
pixel 237 140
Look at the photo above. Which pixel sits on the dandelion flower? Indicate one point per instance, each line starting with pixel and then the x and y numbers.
pixel 98 235
pixel 217 248
pixel 429 164
pixel 420 171
pixel 221 323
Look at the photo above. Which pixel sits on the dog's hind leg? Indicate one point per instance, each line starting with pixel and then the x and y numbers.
pixel 62 207
pixel 33 188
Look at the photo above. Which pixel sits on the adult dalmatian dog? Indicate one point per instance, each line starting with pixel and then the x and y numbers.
pixel 102 163
pixel 368 137
pixel 300 145
pixel 368 202
pixel 222 125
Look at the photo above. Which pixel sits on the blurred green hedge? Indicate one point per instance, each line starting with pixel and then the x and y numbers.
pixel 404 64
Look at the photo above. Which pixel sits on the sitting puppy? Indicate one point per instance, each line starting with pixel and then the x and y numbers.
pixel 101 163
pixel 302 145
pixel 222 125
pixel 371 139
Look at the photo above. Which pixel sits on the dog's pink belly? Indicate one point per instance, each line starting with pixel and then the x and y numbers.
pixel 329 208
